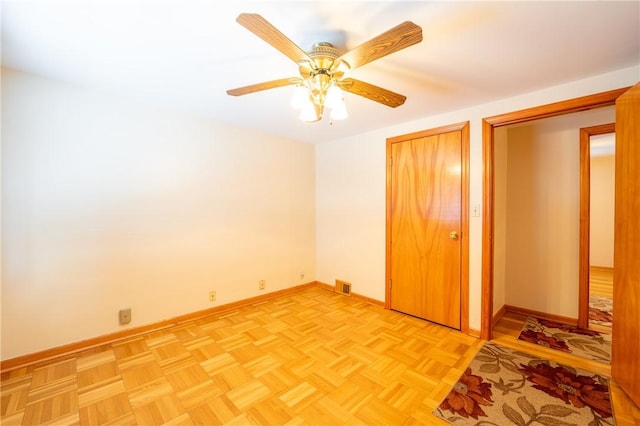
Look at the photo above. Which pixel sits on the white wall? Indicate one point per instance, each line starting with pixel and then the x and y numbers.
pixel 601 211
pixel 109 204
pixel 347 204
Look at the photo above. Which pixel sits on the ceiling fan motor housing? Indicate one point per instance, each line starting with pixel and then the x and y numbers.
pixel 324 54
pixel 323 71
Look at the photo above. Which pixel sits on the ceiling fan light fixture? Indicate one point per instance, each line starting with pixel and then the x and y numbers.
pixel 314 94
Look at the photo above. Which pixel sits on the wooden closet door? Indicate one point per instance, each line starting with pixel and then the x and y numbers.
pixel 625 360
pixel 426 190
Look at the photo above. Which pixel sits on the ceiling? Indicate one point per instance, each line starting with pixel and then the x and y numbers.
pixel 186 54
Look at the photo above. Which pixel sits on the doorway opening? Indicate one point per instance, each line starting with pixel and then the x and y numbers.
pixel 597 184
pixel 489 127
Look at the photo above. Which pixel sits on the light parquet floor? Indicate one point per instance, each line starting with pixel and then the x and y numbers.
pixel 312 357
pixel 308 358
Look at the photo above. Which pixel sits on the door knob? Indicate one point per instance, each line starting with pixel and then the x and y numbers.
pixel 453 235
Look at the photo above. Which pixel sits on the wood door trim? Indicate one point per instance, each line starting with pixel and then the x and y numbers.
pixel 463 127
pixel 585 215
pixel 488 179
pixel 583 103
pixel 429 132
pixel 464 209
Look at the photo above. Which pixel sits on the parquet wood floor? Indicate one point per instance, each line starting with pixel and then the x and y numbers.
pixel 312 357
pixel 307 358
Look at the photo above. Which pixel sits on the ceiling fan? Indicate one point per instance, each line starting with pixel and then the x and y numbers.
pixel 322 69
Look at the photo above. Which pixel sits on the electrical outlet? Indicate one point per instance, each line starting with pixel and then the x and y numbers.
pixel 212 296
pixel 262 284
pixel 124 315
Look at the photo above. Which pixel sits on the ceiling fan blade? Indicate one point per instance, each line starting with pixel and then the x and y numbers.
pixel 397 38
pixel 375 93
pixel 263 86
pixel 263 29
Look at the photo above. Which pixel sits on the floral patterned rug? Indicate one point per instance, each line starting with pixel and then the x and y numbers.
pixel 503 386
pixel 601 310
pixel 585 343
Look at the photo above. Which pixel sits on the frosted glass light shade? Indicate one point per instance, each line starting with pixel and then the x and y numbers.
pixel 339 111
pixel 334 97
pixel 312 100
pixel 308 112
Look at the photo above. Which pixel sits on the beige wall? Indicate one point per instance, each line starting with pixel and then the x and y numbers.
pixel 110 204
pixel 543 212
pixel 601 210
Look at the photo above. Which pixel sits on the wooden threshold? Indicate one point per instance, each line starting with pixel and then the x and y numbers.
pixel 607 269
